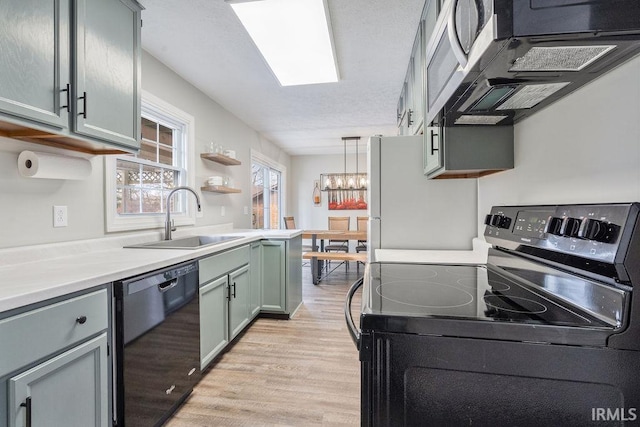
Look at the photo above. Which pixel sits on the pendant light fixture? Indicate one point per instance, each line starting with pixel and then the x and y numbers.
pixel 347 190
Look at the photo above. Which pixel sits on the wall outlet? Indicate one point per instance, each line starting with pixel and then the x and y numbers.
pixel 60 216
pixel 246 210
pixel 222 211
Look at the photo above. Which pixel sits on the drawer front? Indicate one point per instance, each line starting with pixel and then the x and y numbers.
pixel 219 264
pixel 30 336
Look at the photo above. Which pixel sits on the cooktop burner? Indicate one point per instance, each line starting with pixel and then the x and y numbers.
pixel 474 292
pixel 411 293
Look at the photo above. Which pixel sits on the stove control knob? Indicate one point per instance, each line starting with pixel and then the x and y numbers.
pixel 553 225
pixel 505 222
pixel 570 227
pixel 498 220
pixel 600 231
pixel 487 219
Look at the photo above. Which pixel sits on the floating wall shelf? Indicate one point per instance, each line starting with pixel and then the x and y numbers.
pixel 220 189
pixel 219 158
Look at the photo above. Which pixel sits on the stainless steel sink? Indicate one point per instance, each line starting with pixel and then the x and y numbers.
pixel 191 242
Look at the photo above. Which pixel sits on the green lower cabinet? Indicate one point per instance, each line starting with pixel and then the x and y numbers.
pixel 274 276
pixel 70 389
pixel 282 275
pixel 239 288
pixel 214 331
pixel 255 270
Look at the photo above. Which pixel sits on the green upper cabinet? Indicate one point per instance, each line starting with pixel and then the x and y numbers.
pixel 70 73
pixel 35 66
pixel 410 109
pixel 416 107
pixel 107 70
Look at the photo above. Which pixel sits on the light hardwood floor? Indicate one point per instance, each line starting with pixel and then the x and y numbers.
pixel 299 372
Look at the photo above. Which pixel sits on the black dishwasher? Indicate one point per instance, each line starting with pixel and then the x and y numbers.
pixel 157 344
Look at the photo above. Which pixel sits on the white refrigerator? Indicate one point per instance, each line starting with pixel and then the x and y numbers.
pixel 408 211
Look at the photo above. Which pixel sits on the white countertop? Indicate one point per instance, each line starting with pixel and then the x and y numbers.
pixel 478 255
pixel 36 273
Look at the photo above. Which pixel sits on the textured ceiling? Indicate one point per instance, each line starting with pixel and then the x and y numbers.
pixel 204 42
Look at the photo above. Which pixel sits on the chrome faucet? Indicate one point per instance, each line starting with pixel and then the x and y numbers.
pixel 168 226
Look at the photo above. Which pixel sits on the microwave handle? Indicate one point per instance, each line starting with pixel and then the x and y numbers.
pixel 456 47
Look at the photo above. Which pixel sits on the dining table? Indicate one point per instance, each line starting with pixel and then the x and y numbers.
pixel 317 264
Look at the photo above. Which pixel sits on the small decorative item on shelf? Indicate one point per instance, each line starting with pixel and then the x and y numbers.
pixel 215 180
pixel 316 193
pixel 219 184
pixel 213 148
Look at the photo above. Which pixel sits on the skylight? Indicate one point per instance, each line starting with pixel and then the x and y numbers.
pixel 294 37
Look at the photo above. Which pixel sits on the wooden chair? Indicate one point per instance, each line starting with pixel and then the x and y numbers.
pixel 336 245
pixel 361 225
pixel 361 245
pixel 290 224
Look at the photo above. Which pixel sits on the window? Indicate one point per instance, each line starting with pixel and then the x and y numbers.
pixel 267 192
pixel 138 184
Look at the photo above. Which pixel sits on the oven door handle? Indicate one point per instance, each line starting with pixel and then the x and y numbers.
pixel 353 330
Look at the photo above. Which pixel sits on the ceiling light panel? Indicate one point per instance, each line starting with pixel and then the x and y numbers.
pixel 294 37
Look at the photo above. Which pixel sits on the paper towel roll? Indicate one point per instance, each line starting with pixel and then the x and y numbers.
pixel 33 164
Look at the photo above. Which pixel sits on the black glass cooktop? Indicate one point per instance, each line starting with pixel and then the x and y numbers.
pixel 465 292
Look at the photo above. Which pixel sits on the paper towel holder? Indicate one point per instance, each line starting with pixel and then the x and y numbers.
pixel 33 164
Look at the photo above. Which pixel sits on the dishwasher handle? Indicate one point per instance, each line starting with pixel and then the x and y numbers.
pixel 164 279
pixel 353 330
pixel 169 284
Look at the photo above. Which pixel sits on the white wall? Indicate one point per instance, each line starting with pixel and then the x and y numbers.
pixel 215 123
pixel 307 169
pixel 26 215
pixel 584 148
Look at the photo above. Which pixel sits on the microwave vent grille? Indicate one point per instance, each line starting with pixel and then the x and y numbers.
pixel 559 58
pixel 479 120
pixel 530 95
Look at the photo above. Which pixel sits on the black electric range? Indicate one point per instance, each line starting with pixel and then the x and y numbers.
pixel 544 333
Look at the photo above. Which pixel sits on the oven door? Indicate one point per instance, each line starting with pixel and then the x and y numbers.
pixel 464 30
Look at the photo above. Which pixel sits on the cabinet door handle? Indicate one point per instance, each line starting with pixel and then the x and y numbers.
pixel 228 292
pixel 409 119
pixel 84 105
pixel 234 289
pixel 431 135
pixel 67 91
pixel 27 405
pixel 81 320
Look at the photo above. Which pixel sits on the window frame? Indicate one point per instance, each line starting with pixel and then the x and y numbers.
pixel 258 157
pixel 162 110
